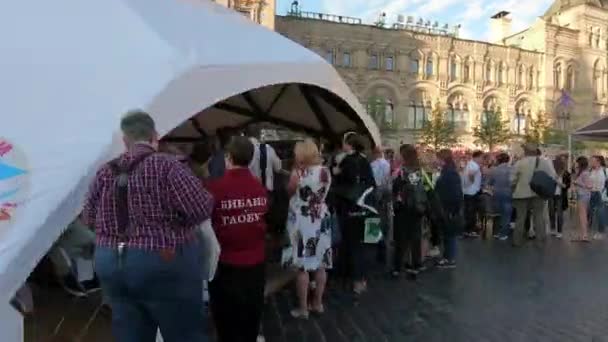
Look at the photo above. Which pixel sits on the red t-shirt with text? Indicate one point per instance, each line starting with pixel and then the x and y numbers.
pixel 241 203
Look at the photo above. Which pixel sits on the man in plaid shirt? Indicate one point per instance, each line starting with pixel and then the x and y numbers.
pixel 149 266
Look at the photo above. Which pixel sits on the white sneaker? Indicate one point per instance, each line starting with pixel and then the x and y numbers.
pixel 434 252
pixel 558 235
pixel 598 236
pixel 260 339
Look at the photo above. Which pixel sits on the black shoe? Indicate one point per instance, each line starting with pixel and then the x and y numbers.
pixel 72 286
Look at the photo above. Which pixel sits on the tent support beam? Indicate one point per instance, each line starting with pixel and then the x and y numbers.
pixel 341 107
pixel 262 118
pixel 198 128
pixel 276 99
pixel 186 140
pixel 316 109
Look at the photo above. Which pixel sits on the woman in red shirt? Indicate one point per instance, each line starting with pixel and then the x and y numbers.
pixel 237 292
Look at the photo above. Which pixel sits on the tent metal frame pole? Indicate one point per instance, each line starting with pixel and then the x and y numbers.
pixel 569 152
pixel 316 109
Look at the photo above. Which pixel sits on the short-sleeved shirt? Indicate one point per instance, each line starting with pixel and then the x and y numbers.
pixel 472 188
pixel 598 179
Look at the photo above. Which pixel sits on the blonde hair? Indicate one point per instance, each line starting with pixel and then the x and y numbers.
pixel 307 153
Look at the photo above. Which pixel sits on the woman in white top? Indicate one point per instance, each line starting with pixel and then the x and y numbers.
pixel 307 226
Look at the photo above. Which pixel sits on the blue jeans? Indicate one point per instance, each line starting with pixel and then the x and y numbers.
pixel 597 212
pixel 504 207
pixel 147 292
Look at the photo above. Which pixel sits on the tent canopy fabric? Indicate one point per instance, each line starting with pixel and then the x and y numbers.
pixel 597 130
pixel 74 67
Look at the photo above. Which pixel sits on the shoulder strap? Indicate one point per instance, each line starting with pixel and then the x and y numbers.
pixel 122 192
pixel 263 163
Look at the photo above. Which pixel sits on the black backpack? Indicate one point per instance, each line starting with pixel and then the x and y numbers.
pixel 410 194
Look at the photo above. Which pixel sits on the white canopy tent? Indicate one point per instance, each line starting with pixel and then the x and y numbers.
pixel 596 131
pixel 71 68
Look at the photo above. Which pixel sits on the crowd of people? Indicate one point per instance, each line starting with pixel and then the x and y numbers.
pixel 152 208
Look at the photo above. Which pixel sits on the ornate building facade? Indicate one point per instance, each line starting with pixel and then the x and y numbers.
pixel 260 11
pixel 558 66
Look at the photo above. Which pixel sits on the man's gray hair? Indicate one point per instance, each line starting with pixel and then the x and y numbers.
pixel 138 125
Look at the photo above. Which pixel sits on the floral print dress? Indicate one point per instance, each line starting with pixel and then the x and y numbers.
pixel 307 223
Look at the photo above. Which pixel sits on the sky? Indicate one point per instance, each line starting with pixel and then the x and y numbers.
pixel 473 15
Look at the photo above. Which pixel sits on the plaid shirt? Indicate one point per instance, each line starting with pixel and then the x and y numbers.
pixel 166 203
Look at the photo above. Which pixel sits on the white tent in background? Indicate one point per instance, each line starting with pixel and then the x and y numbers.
pixel 70 68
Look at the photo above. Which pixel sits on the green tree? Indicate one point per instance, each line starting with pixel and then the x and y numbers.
pixel 437 132
pixel 492 130
pixel 558 137
pixel 537 128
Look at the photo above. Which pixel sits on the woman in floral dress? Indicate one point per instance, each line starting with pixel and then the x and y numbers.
pixel 308 231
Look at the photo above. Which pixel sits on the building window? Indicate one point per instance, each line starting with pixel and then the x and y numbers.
pixel 382 110
pixel 520 76
pixel 522 112
pixel 346 62
pixel 329 56
pixel 373 61
pixel 458 116
pixel 418 113
pixel 490 107
pixel 488 72
pixel 519 124
pixel 467 72
pixel 558 77
pixel 530 79
pixel 570 78
pixel 429 66
pixel 453 69
pixel 388 64
pixel 414 66
pixel 500 74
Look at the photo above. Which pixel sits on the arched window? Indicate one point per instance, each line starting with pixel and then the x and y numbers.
pixel 381 109
pixel 488 72
pixel 520 76
pixel 458 111
pixel 429 66
pixel 557 76
pixel 453 69
pixel 419 109
pixel 467 71
pixel 373 61
pixel 522 112
pixel 490 107
pixel 500 74
pixel 414 65
pixel 570 78
pixel 329 56
pixel 530 78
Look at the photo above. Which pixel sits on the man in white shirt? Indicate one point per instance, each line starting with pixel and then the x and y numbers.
pixel 472 189
pixel 272 163
pixel 597 208
pixel 381 169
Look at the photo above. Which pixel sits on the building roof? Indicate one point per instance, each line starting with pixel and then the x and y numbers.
pixel 561 5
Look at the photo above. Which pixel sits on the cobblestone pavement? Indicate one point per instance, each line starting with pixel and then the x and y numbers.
pixel 556 292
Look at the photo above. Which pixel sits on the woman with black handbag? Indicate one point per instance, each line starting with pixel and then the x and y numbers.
pixel 353 176
pixel 449 190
